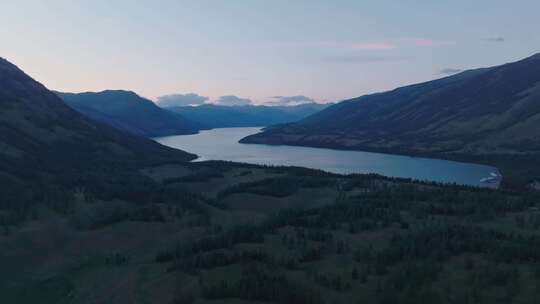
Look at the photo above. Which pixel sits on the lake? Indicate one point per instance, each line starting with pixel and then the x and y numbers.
pixel 222 144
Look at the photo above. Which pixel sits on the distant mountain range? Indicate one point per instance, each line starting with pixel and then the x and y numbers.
pixel 128 111
pixel 216 116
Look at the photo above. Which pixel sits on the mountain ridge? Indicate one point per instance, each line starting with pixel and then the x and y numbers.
pixel 128 111
pixel 483 112
pixel 218 116
pixel 44 138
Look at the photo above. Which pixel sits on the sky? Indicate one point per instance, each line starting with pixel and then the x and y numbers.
pixel 261 51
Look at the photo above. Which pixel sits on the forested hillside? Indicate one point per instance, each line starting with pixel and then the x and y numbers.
pixel 216 116
pixel 129 112
pixel 491 115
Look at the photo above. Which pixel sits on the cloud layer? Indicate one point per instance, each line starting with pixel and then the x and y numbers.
pixel 373 46
pixel 361 58
pixel 181 100
pixel 391 44
pixel 231 100
pixel 423 42
pixel 290 100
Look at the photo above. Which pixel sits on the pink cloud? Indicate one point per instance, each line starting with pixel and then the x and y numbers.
pixel 422 42
pixel 398 43
pixel 373 46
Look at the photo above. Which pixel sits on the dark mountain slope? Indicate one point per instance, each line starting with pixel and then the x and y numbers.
pixel 214 116
pixel 489 116
pixel 128 111
pixel 486 111
pixel 44 141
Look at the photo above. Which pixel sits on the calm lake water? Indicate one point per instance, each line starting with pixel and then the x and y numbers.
pixel 222 144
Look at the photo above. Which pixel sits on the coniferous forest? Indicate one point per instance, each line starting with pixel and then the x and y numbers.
pixel 270 234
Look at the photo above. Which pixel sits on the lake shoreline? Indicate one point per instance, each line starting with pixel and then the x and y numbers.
pixel 224 144
pixel 457 158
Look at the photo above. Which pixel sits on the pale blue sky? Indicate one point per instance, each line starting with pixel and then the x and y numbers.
pixel 327 50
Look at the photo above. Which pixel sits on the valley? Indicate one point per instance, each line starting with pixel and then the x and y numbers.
pixel 212 116
pixel 94 211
